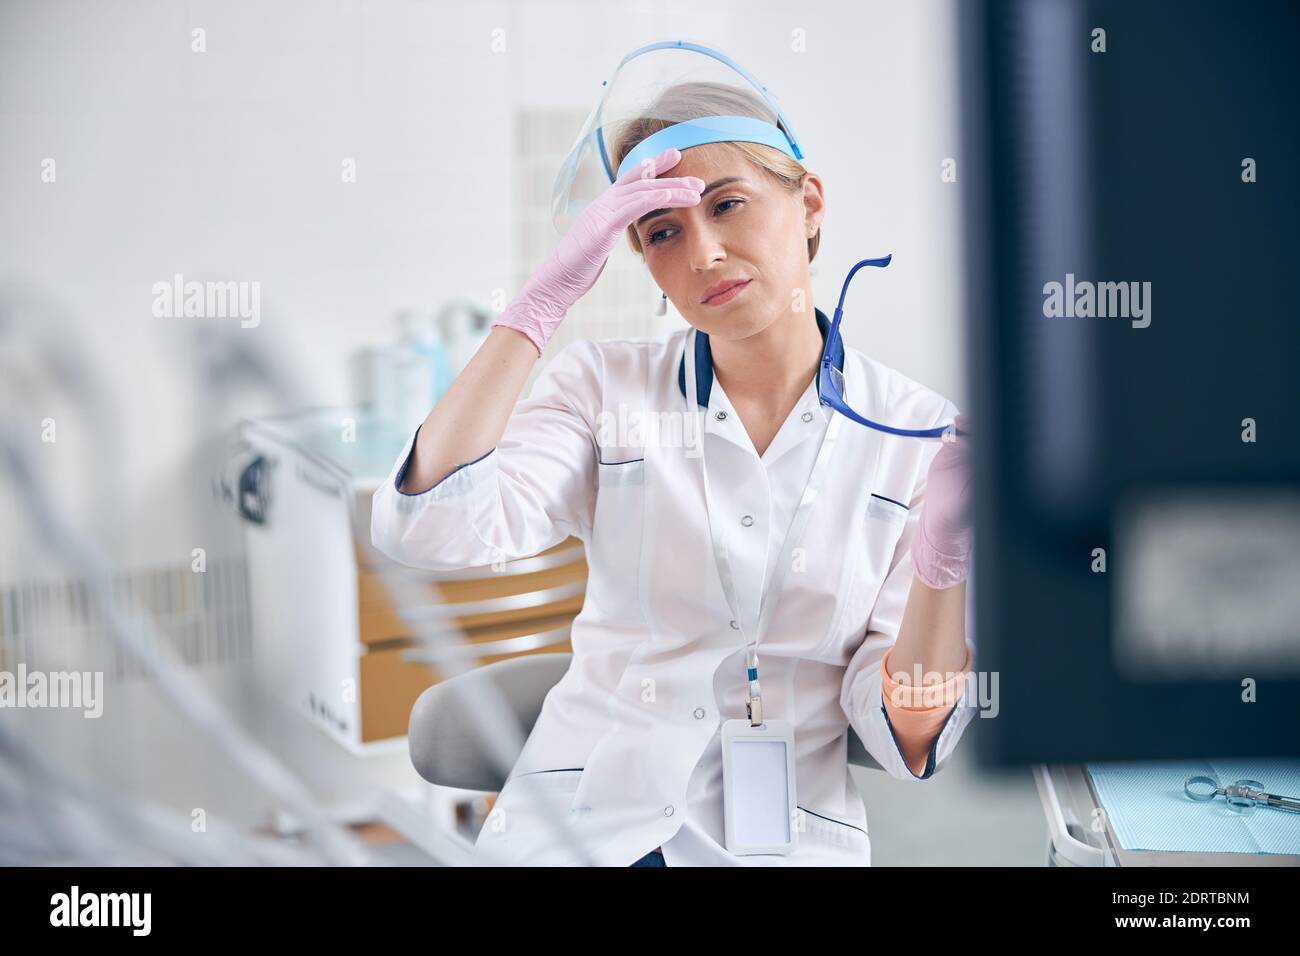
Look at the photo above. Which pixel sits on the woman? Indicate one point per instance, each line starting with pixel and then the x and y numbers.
pixel 624 764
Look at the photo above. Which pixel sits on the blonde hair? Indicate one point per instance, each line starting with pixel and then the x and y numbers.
pixel 691 100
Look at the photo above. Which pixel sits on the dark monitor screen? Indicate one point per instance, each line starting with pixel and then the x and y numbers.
pixel 1132 191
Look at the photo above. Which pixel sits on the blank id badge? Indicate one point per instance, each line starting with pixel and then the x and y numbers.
pixel 758 787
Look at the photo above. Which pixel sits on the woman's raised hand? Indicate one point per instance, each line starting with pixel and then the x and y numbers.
pixel 580 256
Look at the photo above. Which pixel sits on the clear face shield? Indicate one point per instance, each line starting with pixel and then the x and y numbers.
pixel 672 94
pixel 677 94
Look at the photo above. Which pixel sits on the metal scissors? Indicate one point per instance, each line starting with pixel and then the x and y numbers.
pixel 1243 795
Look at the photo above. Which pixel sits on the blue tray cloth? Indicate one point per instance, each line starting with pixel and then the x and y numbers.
pixel 1148 810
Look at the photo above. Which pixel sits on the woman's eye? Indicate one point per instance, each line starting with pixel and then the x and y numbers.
pixel 652 241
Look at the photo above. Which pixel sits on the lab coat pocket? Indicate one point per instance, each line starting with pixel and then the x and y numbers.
pixel 617 473
pixel 821 828
pixel 885 523
pixel 887 510
pixel 614 553
pixel 870 549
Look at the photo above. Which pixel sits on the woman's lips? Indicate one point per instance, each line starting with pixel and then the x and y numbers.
pixel 730 294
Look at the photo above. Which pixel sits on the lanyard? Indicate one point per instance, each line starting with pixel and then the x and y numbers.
pixel 798 523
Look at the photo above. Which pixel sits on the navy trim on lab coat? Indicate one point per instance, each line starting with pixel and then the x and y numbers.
pixel 929 762
pixel 401 472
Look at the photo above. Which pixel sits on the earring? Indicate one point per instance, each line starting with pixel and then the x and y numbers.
pixel 662 308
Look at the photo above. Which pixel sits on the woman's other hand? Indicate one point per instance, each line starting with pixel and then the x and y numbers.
pixel 941 551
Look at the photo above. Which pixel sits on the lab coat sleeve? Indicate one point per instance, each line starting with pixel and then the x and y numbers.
pixel 861 694
pixel 530 492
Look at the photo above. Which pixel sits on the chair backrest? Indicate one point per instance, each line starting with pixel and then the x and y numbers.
pixel 445 746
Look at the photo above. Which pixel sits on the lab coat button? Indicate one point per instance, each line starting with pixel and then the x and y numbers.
pixel 747 520
pixel 735 625
pixel 668 810
pixel 721 416
pixel 806 416
pixel 699 713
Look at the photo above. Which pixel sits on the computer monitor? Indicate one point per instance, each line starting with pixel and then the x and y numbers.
pixel 1131 180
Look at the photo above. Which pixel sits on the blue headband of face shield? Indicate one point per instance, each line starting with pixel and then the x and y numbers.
pixel 685 133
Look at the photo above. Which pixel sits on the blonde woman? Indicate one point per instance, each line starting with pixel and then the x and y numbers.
pixel 626 752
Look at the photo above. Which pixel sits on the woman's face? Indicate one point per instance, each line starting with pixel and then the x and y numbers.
pixel 747 227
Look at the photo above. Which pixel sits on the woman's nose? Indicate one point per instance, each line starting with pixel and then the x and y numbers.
pixel 704 249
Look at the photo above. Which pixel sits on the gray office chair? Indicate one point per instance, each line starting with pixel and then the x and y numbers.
pixel 444 747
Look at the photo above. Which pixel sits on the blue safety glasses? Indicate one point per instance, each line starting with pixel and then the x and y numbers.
pixel 831 380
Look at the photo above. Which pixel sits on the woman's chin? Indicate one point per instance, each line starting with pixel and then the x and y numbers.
pixel 737 328
pixel 732 326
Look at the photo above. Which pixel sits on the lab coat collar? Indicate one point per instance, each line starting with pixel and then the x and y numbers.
pixel 704 362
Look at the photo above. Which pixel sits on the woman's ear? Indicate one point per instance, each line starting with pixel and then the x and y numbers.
pixel 814 204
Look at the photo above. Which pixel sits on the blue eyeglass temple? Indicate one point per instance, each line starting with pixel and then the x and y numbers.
pixel 828 394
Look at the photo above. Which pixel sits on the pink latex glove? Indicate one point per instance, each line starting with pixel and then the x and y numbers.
pixel 941 550
pixel 578 260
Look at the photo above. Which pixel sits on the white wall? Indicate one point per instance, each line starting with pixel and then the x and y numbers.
pixel 226 165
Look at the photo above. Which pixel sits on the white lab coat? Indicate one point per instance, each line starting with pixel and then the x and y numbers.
pixel 627 748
